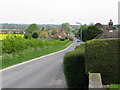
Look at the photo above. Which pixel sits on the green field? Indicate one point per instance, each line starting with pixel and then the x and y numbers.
pixel 4 36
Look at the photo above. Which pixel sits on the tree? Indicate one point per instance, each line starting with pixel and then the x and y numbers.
pixel 44 34
pixel 32 28
pixel 66 26
pixel 35 35
pixel 27 35
pixel 90 33
pixel 54 31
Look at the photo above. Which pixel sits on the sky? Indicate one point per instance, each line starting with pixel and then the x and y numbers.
pixel 58 11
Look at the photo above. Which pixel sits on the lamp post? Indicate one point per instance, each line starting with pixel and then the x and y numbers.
pixel 80 30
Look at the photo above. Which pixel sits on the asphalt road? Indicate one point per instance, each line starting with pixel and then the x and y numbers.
pixel 46 72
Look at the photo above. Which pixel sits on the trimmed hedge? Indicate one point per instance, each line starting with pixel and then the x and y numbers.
pixel 74 69
pixel 101 55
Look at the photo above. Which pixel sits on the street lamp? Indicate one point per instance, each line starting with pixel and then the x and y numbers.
pixel 80 30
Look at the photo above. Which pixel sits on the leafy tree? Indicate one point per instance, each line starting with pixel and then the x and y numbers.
pixel 66 26
pixel 32 28
pixel 90 33
pixel 35 35
pixel 114 28
pixel 44 34
pixel 54 31
pixel 27 35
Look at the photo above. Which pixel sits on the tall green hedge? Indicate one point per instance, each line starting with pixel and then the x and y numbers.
pixel 74 69
pixel 101 56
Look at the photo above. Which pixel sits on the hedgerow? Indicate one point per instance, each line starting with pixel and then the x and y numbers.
pixel 101 56
pixel 15 45
pixel 74 69
pixel 17 50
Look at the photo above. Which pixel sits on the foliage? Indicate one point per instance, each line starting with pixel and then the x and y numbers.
pixel 27 35
pixel 54 31
pixel 114 28
pixel 44 34
pixel 101 56
pixel 74 69
pixel 66 26
pixel 35 35
pixel 16 50
pixel 90 33
pixel 32 28
pixel 62 39
pixel 77 32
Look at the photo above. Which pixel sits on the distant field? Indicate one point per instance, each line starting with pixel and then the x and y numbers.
pixel 4 36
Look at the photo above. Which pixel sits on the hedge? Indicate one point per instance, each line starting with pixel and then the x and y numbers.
pixel 17 50
pixel 74 69
pixel 17 44
pixel 101 55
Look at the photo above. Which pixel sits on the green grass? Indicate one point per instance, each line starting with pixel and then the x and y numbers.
pixel 114 87
pixel 30 53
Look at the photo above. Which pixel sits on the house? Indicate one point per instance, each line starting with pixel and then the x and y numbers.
pixel 99 25
pixel 3 31
pixel 61 34
pixel 12 31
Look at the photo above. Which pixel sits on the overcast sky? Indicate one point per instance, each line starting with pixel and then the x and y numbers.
pixel 58 11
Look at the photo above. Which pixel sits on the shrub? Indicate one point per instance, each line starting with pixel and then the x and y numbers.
pixel 81 46
pixel 35 35
pixel 74 69
pixel 62 39
pixel 27 35
pixel 101 56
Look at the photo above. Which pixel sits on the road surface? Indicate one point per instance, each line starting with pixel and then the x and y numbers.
pixel 46 72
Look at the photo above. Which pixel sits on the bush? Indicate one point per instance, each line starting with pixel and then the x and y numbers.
pixel 62 39
pixel 15 45
pixel 27 35
pixel 35 35
pixel 101 56
pixel 74 69
pixel 81 46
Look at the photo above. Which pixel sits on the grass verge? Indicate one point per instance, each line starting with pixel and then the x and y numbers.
pixel 30 53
